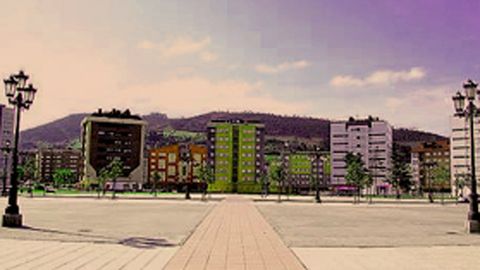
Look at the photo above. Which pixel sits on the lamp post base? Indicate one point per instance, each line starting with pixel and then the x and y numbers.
pixel 12 220
pixel 473 226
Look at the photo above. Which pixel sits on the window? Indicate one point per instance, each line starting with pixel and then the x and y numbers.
pixel 171 171
pixel 161 164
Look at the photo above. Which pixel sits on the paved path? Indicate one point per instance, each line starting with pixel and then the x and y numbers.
pixel 234 236
pixel 392 258
pixel 22 254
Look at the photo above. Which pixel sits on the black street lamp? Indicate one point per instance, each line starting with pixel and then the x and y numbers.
pixel 21 97
pixel 6 151
pixel 470 87
pixel 317 180
pixel 186 160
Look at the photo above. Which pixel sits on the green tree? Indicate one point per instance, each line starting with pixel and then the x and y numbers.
pixel 115 170
pixel 206 175
pixel 278 176
pixel 327 165
pixel 102 179
pixel 356 174
pixel 264 182
pixel 399 175
pixel 459 185
pixel 441 178
pixel 63 176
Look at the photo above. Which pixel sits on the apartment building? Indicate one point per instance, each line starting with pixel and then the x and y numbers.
pixel 460 152
pixel 425 157
pixel 302 169
pixel 236 149
pixel 6 135
pixel 177 164
pixel 114 135
pixel 372 138
pixel 49 160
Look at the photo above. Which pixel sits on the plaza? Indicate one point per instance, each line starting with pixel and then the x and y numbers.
pixel 236 232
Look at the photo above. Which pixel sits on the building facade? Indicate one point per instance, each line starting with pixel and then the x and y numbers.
pixel 373 139
pixel 425 157
pixel 236 150
pixel 114 135
pixel 302 169
pixel 177 164
pixel 49 160
pixel 6 137
pixel 460 153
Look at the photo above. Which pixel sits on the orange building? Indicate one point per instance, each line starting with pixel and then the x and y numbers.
pixel 176 164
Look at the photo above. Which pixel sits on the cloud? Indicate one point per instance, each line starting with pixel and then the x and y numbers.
pixel 181 96
pixel 207 56
pixel 379 78
pixel 416 108
pixel 286 66
pixel 181 46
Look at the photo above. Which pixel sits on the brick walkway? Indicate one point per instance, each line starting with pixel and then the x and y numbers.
pixel 22 254
pixel 234 236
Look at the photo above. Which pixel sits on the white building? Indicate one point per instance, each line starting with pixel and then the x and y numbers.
pixel 6 134
pixel 460 152
pixel 372 138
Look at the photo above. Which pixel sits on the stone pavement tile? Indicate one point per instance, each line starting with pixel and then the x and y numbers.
pixel 47 261
pixel 396 258
pixel 120 262
pixel 91 253
pixel 43 249
pixel 49 255
pixel 160 259
pixel 234 236
pixel 103 259
pixel 12 250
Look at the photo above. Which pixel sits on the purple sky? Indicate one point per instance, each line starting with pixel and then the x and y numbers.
pixel 400 60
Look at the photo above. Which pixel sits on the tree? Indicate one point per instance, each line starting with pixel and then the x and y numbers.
pixel 265 183
pixel 110 172
pixel 356 173
pixel 102 180
pixel 156 178
pixel 278 175
pixel 63 176
pixel 399 174
pixel 441 178
pixel 205 173
pixel 115 169
pixel 459 185
pixel 27 174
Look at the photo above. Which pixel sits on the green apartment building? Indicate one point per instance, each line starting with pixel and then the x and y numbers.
pixel 300 168
pixel 236 150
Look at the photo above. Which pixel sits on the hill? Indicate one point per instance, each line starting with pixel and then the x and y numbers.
pixel 67 129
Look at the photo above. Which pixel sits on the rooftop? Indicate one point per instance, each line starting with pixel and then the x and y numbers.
pixel 114 113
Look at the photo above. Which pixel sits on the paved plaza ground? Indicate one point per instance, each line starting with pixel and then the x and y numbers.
pixel 378 236
pixel 239 232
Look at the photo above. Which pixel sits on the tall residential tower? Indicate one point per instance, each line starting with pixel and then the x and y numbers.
pixel 6 135
pixel 114 135
pixel 372 138
pixel 236 150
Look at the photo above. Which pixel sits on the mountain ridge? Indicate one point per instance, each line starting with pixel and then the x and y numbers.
pixel 67 129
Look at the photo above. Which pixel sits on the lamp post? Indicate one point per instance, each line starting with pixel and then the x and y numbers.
pixel 429 166
pixel 21 97
pixel 470 87
pixel 317 180
pixel 186 159
pixel 6 151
